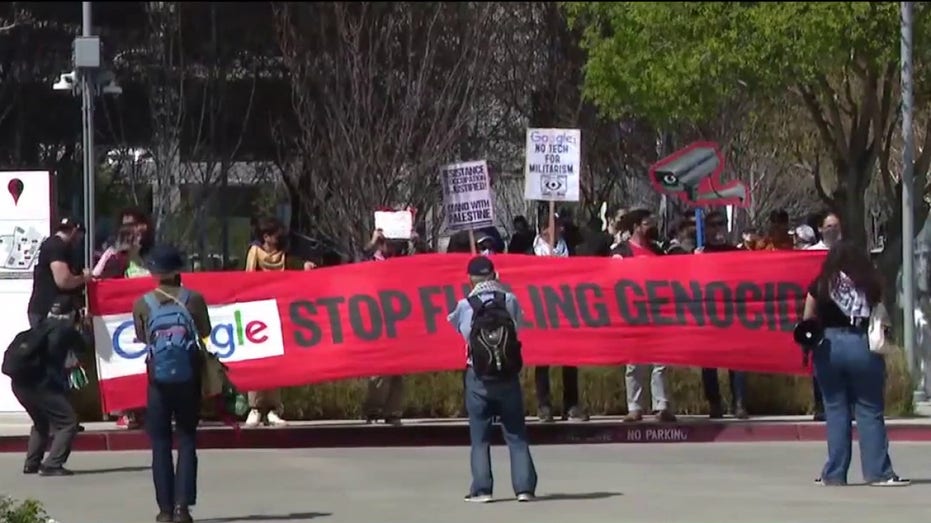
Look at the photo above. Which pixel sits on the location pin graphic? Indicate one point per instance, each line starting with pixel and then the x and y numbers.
pixel 16 189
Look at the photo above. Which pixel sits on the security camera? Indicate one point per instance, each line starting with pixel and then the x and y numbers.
pixel 687 171
pixel 65 82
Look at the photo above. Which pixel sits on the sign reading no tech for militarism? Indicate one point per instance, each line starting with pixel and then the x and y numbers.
pixel 553 163
pixel 467 196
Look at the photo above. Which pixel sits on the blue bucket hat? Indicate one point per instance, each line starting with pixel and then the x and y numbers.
pixel 164 259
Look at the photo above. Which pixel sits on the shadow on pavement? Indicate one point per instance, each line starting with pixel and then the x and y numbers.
pixel 111 471
pixel 303 516
pixel 578 496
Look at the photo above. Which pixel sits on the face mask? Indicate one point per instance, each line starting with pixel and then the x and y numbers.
pixel 830 236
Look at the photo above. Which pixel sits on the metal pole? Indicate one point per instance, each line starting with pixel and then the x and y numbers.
pixel 88 90
pixel 908 199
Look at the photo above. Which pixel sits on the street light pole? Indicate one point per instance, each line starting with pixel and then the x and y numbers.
pixel 88 90
pixel 908 199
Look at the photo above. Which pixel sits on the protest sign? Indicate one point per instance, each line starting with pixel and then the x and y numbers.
pixel 280 329
pixel 395 225
pixel 467 196
pixel 553 164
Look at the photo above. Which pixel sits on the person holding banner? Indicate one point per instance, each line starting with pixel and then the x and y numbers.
pixel 268 254
pixel 716 236
pixel 385 394
pixel 640 226
pixel 542 246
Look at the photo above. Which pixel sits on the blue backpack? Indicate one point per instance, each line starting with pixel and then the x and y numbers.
pixel 173 341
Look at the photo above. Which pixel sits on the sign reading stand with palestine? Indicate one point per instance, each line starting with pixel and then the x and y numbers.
pixel 553 163
pixel 467 196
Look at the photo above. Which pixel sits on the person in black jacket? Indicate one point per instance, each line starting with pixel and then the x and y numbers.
pixel 716 242
pixel 45 395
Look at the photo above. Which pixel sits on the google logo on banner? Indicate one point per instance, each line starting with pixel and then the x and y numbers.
pixel 240 331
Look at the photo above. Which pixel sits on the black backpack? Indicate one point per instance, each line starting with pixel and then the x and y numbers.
pixel 23 359
pixel 493 344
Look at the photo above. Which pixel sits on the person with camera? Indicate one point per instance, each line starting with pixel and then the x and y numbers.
pixel 842 298
pixel 488 321
pixel 642 234
pixel 172 321
pixel 53 276
pixel 37 369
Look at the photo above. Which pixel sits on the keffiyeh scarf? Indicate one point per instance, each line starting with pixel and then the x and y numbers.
pixel 849 299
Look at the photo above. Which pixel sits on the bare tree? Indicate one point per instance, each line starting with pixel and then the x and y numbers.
pixel 381 95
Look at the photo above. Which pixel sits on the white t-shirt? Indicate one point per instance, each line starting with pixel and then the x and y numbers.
pixel 541 247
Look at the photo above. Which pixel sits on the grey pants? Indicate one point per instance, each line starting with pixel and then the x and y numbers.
pixel 634 379
pixel 384 398
pixel 52 418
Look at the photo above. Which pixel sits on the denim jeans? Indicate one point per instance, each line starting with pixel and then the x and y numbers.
pixel 852 381
pixel 711 384
pixel 182 402
pixel 484 400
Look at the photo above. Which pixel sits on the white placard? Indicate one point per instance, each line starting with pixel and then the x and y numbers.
pixel 395 225
pixel 553 163
pixel 467 196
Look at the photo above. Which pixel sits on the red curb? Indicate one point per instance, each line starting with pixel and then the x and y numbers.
pixel 457 435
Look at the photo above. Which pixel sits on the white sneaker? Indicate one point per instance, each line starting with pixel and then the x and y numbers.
pixel 254 419
pixel 894 481
pixel 478 498
pixel 274 420
pixel 525 497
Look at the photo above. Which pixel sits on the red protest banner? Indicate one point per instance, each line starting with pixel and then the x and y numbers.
pixel 734 310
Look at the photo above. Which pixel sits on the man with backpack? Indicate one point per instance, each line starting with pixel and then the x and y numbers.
pixel 172 321
pixel 35 363
pixel 488 321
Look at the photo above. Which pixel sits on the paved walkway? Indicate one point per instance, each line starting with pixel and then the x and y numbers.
pixel 452 432
pixel 685 483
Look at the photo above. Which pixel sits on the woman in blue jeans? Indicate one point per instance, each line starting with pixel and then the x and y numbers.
pixel 851 377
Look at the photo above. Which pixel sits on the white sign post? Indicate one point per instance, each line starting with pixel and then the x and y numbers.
pixel 554 159
pixel 467 196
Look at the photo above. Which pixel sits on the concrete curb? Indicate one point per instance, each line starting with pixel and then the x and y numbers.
pixel 456 434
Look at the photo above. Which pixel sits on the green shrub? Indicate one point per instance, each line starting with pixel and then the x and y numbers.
pixel 29 511
pixel 439 395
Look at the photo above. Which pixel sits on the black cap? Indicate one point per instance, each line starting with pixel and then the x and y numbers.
pixel 69 223
pixel 164 259
pixel 481 266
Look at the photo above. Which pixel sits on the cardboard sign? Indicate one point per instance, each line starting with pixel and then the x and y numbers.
pixel 467 196
pixel 554 158
pixel 395 225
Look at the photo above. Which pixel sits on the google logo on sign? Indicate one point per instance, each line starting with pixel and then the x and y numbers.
pixel 226 337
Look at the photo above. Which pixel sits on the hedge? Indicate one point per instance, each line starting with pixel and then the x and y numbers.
pixel 439 395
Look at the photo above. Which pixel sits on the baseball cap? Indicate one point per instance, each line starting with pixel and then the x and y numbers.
pixel 67 223
pixel 804 233
pixel 481 266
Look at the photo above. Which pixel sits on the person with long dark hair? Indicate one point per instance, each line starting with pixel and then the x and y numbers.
pixel 851 376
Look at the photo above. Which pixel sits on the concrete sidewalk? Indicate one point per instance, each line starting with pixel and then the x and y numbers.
pixel 724 483
pixel 452 432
